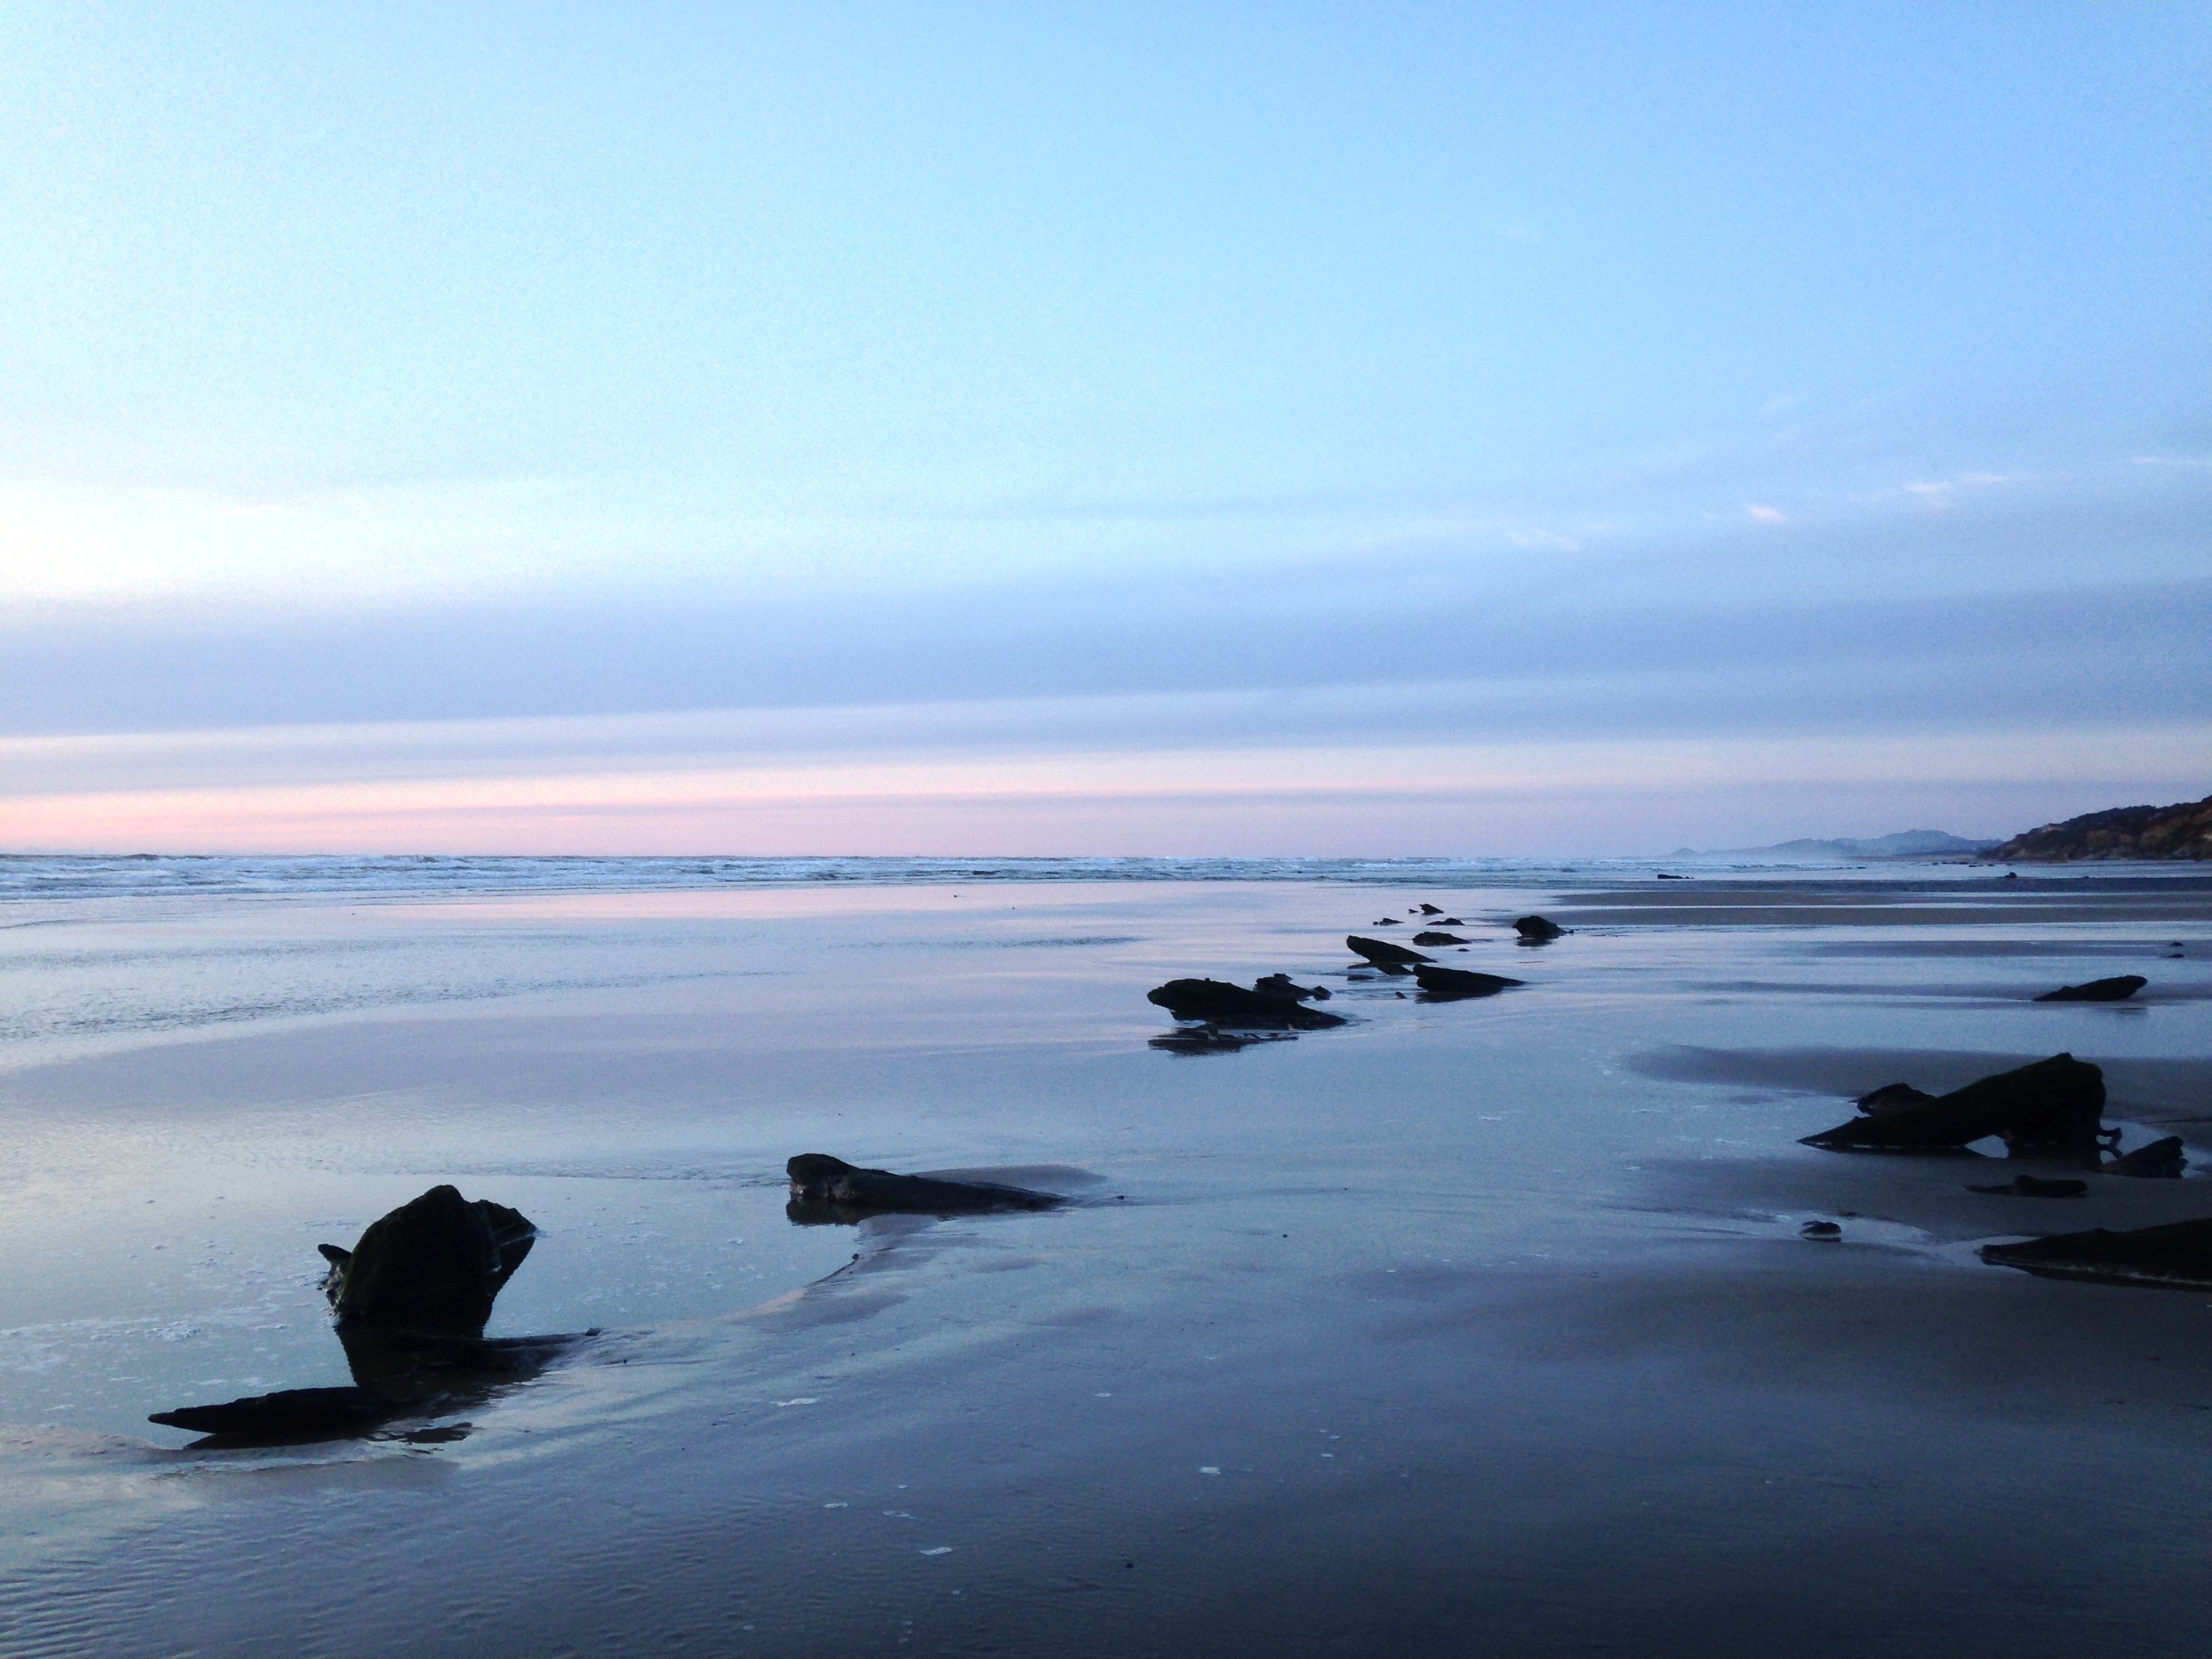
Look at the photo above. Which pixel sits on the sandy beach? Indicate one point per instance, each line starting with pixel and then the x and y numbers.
pixel 1480 1327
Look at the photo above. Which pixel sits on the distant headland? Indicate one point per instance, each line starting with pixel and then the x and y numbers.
pixel 2183 830
pixel 1904 844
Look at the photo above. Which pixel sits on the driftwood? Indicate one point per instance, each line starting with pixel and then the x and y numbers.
pixel 2054 1108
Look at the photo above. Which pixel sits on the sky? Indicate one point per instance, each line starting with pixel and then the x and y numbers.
pixel 1274 429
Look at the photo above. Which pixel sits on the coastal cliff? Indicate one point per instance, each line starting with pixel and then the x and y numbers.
pixel 2181 831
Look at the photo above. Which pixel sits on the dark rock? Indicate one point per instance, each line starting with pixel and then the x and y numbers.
pixel 2029 1185
pixel 1450 921
pixel 1220 1003
pixel 2054 1108
pixel 1280 985
pixel 1822 1232
pixel 2177 1255
pixel 2162 1160
pixel 1384 921
pixel 1431 910
pixel 1382 953
pixel 1433 937
pixel 1456 984
pixel 1536 930
pixel 1892 1098
pixel 435 1263
pixel 1663 875
pixel 290 1414
pixel 825 1188
pixel 2119 988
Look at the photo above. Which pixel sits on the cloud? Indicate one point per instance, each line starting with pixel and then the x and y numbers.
pixel 1767 514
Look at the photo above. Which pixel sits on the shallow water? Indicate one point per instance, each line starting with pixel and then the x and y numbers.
pixel 1487 1316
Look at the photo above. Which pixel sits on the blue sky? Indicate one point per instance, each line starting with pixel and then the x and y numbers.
pixel 1378 429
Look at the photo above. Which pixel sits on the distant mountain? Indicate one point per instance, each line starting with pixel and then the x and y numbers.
pixel 2180 831
pixel 1904 844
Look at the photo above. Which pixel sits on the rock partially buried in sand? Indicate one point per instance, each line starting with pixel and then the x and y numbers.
pixel 2035 1186
pixel 1536 930
pixel 1383 953
pixel 829 1188
pixel 1432 936
pixel 1431 910
pixel 433 1263
pixel 1220 1003
pixel 1456 984
pixel 2162 1160
pixel 1821 1232
pixel 2053 1108
pixel 2177 1256
pixel 2119 988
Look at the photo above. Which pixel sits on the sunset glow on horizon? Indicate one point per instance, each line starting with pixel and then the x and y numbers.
pixel 1462 430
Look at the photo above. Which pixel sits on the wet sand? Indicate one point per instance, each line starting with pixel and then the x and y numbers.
pixel 1476 1326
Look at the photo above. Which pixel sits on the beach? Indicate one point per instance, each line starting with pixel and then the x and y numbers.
pixel 1480 1327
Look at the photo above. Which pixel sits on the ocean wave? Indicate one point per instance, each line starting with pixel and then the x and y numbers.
pixel 44 876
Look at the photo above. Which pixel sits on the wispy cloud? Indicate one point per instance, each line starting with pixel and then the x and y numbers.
pixel 1763 515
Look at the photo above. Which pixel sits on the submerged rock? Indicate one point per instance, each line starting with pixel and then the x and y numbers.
pixel 1537 930
pixel 1433 936
pixel 2054 1108
pixel 2119 988
pixel 1220 1003
pixel 830 1190
pixel 2029 1185
pixel 2162 1160
pixel 435 1262
pixel 1455 984
pixel 1821 1232
pixel 2177 1255
pixel 1431 910
pixel 1383 953
pixel 1384 921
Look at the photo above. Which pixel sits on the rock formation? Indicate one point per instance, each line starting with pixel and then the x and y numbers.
pixel 1220 1003
pixel 2052 1109
pixel 2119 988
pixel 1536 930
pixel 825 1188
pixel 1383 954
pixel 1455 984
pixel 435 1263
